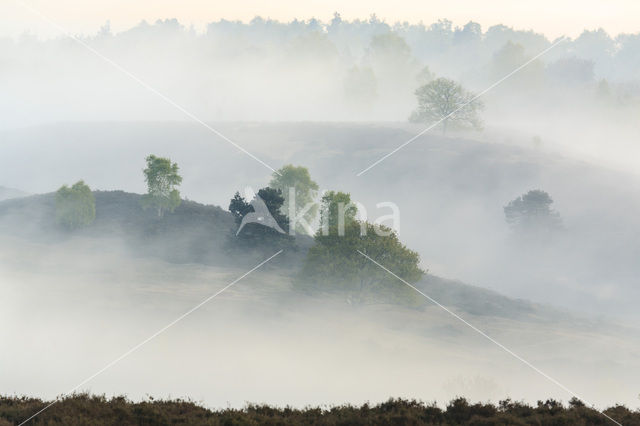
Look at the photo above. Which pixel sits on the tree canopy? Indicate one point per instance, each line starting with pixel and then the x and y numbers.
pixel 162 180
pixel 532 212
pixel 305 192
pixel 336 210
pixel 446 102
pixel 334 264
pixel 257 228
pixel 75 206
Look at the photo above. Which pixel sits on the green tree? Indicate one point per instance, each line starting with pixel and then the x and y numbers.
pixel 446 102
pixel 532 212
pixel 334 264
pixel 336 210
pixel 75 206
pixel 162 179
pixel 297 180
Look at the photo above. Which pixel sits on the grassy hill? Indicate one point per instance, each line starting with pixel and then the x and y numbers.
pixel 450 191
pixel 198 234
pixel 193 233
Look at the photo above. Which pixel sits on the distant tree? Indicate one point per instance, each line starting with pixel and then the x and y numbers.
pixel 75 206
pixel 334 264
pixel 510 57
pixel 266 229
pixel 162 179
pixel 361 86
pixel 425 76
pixel 571 71
pixel 390 47
pixel 532 212
pixel 470 33
pixel 297 179
pixel 446 101
pixel 394 66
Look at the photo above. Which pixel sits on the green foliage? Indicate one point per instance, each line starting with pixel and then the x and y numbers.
pixel 306 191
pixel 162 179
pixel 446 100
pixel 532 212
pixel 334 264
pixel 390 47
pixel 336 204
pixel 75 206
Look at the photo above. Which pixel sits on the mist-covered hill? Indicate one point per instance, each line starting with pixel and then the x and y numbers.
pixel 450 192
pixel 129 273
pixel 199 234
pixel 8 193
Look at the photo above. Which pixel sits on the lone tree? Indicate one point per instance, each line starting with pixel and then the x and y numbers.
pixel 162 179
pixel 297 180
pixel 532 212
pixel 75 206
pixel 446 102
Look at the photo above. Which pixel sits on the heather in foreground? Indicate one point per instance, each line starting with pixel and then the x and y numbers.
pixel 83 409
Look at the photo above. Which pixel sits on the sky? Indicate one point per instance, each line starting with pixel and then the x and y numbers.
pixel 552 17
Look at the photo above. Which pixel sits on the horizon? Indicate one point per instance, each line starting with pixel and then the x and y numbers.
pixel 568 20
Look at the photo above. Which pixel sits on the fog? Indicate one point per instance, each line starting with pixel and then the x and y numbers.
pixel 334 97
pixel 258 342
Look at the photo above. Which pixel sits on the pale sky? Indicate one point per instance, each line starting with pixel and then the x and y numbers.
pixel 551 17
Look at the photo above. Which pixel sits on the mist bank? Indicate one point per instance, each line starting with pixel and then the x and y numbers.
pixel 84 302
pixel 582 95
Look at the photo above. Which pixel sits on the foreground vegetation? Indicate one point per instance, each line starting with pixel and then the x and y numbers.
pixel 84 409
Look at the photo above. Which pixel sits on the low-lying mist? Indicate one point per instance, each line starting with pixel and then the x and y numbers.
pixel 80 304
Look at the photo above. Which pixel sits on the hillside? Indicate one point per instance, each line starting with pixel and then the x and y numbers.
pixel 193 233
pixel 78 301
pixel 127 275
pixel 198 233
pixel 450 191
pixel 8 193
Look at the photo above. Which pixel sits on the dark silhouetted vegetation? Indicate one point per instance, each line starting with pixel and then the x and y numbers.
pixel 532 212
pixel 260 223
pixel 84 409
